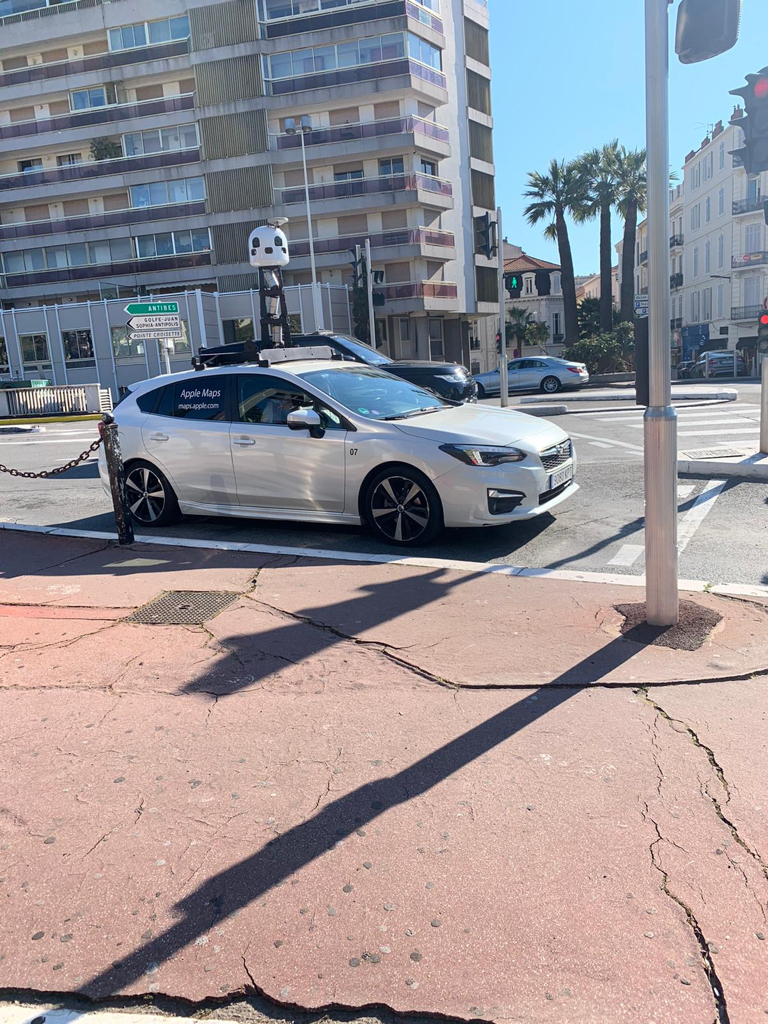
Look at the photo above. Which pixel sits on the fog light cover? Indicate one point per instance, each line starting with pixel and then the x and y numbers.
pixel 501 503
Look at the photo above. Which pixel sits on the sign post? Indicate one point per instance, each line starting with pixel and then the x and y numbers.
pixel 762 349
pixel 158 321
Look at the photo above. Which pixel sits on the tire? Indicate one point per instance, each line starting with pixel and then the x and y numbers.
pixel 151 498
pixel 550 385
pixel 480 392
pixel 403 508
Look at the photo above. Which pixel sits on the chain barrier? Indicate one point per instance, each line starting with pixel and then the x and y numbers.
pixel 44 474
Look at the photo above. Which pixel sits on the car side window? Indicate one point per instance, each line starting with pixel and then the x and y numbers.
pixel 515 364
pixel 201 397
pixel 149 400
pixel 265 399
pixel 526 364
pixel 539 364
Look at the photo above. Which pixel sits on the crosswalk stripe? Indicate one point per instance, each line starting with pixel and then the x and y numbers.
pixel 620 444
pixel 627 554
pixel 738 420
pixel 717 433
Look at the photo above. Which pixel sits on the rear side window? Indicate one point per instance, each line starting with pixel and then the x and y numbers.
pixel 148 401
pixel 200 398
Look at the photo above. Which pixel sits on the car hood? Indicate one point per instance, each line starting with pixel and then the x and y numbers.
pixel 472 424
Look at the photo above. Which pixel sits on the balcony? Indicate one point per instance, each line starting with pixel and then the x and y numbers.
pixel 366 187
pixel 419 289
pixel 369 130
pixel 746 312
pixel 349 12
pixel 98 168
pixel 406 236
pixel 35 229
pixel 676 281
pixel 418 13
pixel 97 62
pixel 353 75
pixel 749 259
pixel 753 205
pixel 644 256
pixel 154 264
pixel 675 241
pixel 98 115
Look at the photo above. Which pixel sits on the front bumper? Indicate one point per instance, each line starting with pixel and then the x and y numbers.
pixel 464 492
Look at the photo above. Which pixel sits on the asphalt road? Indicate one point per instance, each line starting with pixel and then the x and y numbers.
pixel 600 529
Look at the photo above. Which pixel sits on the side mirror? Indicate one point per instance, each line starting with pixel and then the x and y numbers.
pixel 305 419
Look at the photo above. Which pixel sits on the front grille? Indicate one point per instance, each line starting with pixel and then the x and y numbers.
pixel 553 457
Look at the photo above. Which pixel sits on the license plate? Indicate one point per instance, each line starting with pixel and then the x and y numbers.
pixel 562 476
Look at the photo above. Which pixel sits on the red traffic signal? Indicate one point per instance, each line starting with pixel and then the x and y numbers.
pixel 764 319
pixel 761 89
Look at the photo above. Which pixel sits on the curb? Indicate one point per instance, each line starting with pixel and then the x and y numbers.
pixel 753 468
pixel 542 410
pixel 727 395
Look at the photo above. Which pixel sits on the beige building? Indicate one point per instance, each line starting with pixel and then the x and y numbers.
pixel 589 287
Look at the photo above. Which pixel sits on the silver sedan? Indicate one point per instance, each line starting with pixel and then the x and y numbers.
pixel 537 373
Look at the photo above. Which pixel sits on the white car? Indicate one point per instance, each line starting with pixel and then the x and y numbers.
pixel 537 373
pixel 323 441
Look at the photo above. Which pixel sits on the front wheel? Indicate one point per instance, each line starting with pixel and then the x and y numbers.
pixel 550 385
pixel 150 497
pixel 480 392
pixel 402 507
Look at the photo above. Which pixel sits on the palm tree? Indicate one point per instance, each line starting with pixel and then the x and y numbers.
pixel 633 195
pixel 556 194
pixel 517 321
pixel 600 170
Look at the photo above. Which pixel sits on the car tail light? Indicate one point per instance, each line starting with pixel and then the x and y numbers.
pixel 574 369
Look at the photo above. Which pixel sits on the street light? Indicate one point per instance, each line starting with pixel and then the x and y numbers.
pixel 291 128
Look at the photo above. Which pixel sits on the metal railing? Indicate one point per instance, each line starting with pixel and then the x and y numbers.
pixel 67 399
pixel 98 115
pixel 102 270
pixel 405 236
pixel 676 240
pixel 358 73
pixel 137 215
pixel 676 281
pixel 749 259
pixel 95 62
pixel 362 130
pixel 419 289
pixel 644 256
pixel 98 168
pixel 755 205
pixel 366 187
pixel 746 312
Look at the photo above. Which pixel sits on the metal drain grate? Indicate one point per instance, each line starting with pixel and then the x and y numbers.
pixel 183 608
pixel 714 453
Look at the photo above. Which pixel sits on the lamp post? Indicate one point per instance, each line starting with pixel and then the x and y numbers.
pixel 291 128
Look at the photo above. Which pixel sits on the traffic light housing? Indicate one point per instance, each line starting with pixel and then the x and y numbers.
pixel 706 28
pixel 762 333
pixel 514 285
pixel 754 122
pixel 358 267
pixel 486 240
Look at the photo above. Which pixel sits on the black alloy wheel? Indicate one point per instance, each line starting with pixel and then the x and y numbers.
pixel 150 496
pixel 403 507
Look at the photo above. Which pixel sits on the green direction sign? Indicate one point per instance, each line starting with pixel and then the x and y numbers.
pixel 151 308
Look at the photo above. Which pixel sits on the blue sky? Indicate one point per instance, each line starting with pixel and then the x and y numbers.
pixel 570 76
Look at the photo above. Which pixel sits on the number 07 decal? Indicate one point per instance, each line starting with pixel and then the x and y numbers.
pixel 353 451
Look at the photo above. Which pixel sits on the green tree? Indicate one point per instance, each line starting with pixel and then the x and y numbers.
pixel 600 171
pixel 608 352
pixel 537 333
pixel 633 196
pixel 556 194
pixel 589 318
pixel 517 322
pixel 105 149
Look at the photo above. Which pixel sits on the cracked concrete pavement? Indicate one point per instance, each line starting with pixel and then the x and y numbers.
pixel 443 794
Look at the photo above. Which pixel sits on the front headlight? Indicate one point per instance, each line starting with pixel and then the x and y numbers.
pixel 482 454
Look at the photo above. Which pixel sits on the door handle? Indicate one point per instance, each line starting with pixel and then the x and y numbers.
pixel 243 442
pixel 158 437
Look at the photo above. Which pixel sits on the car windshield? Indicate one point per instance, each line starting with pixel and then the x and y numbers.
pixel 361 351
pixel 374 393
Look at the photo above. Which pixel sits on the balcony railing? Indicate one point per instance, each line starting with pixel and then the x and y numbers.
pixel 98 115
pixel 344 14
pixel 676 240
pixel 406 236
pixel 754 205
pixel 418 13
pixel 366 187
pixel 419 289
pixel 746 312
pixel 367 130
pixel 361 73
pixel 96 62
pixel 98 168
pixel 749 259
pixel 676 281
pixel 139 215
pixel 644 256
pixel 153 264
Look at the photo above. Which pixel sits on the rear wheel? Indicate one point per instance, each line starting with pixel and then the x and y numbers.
pixel 550 385
pixel 480 392
pixel 402 507
pixel 151 498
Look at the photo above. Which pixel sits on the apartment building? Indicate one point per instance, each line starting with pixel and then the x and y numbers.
pixel 589 286
pixel 137 152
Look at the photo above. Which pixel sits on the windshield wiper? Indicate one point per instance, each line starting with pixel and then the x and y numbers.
pixel 415 412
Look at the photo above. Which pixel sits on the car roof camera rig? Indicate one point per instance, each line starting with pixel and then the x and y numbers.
pixel 268 252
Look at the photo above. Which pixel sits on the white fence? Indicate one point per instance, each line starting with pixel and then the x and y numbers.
pixel 67 400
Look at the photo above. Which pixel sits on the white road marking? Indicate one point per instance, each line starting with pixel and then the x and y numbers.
pixel 600 444
pixel 726 421
pixel 695 516
pixel 684 490
pixel 628 554
pixel 620 444
pixel 718 433
pixel 42 440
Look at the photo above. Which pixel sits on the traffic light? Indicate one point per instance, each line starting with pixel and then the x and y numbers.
pixel 486 241
pixel 358 267
pixel 762 333
pixel 514 285
pixel 706 28
pixel 754 122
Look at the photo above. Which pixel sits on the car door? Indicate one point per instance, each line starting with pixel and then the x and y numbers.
pixel 187 436
pixel 513 374
pixel 528 374
pixel 280 468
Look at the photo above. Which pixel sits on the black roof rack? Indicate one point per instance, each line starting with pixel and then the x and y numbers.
pixel 248 352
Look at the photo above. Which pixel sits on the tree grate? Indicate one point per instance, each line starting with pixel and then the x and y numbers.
pixel 183 608
pixel 714 453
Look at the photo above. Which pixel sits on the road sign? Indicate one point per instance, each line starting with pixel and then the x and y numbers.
pixel 168 322
pixel 641 305
pixel 151 308
pixel 150 335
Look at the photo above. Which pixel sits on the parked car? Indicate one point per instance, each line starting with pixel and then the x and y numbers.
pixel 450 380
pixel 537 373
pixel 321 440
pixel 719 364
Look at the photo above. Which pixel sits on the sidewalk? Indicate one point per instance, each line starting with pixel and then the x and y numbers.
pixel 441 792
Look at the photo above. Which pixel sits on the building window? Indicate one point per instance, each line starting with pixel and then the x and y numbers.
pixel 35 163
pixel 556 325
pixel 161 140
pixel 394 165
pixel 404 329
pixel 4 364
pixel 720 251
pixel 707 210
pixel 752 238
pixel 271 10
pixel 425 53
pixel 125 349
pixel 474 337
pixel 355 175
pixel 706 304
pixel 557 284
pixel 428 167
pixel 696 217
pixel 166 193
pixel 382 337
pixel 78 348
pixel 349 54
pixel 720 301
pixel 707 257
pixel 85 99
pixel 753 292
pixel 528 284
pixel 173 243
pixel 696 262
pixel 129 37
pixel 69 160
pixel 436 343
pixel 721 202
pixel 34 351
pixel 722 156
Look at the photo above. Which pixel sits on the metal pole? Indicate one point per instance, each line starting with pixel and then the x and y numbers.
pixel 764 407
pixel 111 438
pixel 662 603
pixel 503 369
pixel 164 346
pixel 316 302
pixel 369 289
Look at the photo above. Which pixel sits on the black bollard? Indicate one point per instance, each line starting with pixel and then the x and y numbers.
pixel 111 440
